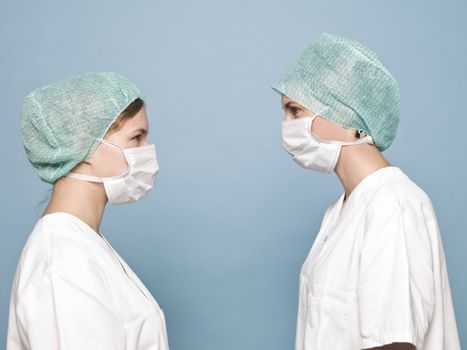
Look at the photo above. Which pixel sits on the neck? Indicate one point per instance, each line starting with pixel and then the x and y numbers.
pixel 357 162
pixel 83 199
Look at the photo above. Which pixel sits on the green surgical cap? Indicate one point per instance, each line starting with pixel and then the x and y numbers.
pixel 350 83
pixel 62 123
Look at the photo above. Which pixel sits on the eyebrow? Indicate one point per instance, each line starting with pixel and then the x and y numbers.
pixel 142 130
pixel 287 105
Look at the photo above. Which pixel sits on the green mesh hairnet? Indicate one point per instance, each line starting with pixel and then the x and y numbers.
pixel 62 123
pixel 351 81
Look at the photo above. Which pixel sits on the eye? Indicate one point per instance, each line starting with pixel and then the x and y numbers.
pixel 294 110
pixel 137 137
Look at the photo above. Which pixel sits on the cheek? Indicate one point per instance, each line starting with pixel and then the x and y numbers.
pixel 122 138
pixel 110 162
pixel 326 130
pixel 118 166
pixel 319 128
pixel 330 132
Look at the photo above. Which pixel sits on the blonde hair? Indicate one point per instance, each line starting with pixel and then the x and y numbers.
pixel 129 112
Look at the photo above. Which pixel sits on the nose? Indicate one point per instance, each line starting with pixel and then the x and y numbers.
pixel 288 116
pixel 144 141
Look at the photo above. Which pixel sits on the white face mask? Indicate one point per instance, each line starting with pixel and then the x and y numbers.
pixel 136 182
pixel 308 150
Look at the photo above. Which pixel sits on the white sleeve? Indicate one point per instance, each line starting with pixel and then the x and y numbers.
pixel 70 308
pixel 396 292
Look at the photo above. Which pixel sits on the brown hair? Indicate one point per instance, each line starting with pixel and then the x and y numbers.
pixel 129 112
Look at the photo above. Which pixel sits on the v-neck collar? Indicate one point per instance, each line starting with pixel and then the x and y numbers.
pixel 84 228
pixel 365 184
pixel 338 215
pixel 98 237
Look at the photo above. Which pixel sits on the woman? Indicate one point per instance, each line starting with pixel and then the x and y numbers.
pixel 376 276
pixel 86 135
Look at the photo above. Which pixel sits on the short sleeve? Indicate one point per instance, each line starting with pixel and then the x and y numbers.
pixel 396 284
pixel 70 308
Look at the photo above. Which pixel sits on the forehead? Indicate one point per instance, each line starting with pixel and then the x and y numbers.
pixel 285 100
pixel 140 120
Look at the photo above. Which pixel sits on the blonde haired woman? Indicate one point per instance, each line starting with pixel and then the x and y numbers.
pixel 376 276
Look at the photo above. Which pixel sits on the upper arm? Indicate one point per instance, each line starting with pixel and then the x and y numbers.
pixel 71 308
pixel 396 284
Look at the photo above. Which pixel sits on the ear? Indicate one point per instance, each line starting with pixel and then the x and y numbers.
pixel 360 133
pixel 94 156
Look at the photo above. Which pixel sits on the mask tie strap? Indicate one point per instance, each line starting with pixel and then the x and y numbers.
pixel 317 114
pixel 84 177
pixel 91 178
pixel 110 143
pixel 365 139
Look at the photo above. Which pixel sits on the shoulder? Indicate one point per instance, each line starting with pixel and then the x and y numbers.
pixel 398 209
pixel 53 243
pixel 398 193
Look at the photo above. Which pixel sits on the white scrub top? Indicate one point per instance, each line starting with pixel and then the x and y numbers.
pixel 71 290
pixel 376 273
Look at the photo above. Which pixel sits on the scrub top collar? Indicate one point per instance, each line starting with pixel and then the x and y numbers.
pixel 83 227
pixel 364 185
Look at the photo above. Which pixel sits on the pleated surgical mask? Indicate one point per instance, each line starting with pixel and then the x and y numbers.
pixel 136 182
pixel 308 150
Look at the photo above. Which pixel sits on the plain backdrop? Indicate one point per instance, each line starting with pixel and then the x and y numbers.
pixel 220 240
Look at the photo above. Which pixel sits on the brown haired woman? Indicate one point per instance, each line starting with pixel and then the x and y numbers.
pixel 86 135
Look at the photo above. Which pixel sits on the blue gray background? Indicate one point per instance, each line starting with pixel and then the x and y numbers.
pixel 221 239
